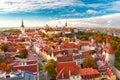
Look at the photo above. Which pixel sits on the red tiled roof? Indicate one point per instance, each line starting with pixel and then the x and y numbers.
pixel 31 62
pixel 88 73
pixel 66 68
pixel 12 49
pixel 69 45
pixel 77 56
pixel 109 72
pixel 31 57
pixel 85 53
pixel 110 50
pixel 14 63
pixel 108 40
pixel 75 51
pixel 63 52
pixel 30 68
pixel 65 58
pixel 17 40
pixel 84 42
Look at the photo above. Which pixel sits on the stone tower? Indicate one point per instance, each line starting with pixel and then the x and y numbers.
pixel 22 27
pixel 110 55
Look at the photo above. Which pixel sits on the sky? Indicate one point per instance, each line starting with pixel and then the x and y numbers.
pixel 78 13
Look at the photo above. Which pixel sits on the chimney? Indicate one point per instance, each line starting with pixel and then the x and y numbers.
pixel 62 75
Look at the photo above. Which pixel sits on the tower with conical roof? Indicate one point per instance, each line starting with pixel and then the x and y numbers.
pixel 93 45
pixel 110 54
pixel 66 24
pixel 22 27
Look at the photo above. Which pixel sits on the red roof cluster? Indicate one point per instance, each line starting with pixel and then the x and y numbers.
pixel 109 72
pixel 65 58
pixel 64 70
pixel 84 42
pixel 30 68
pixel 88 73
pixel 63 52
pixel 69 45
pixel 108 40
pixel 31 62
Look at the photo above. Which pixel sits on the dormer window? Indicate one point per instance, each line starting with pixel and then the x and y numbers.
pixel 62 75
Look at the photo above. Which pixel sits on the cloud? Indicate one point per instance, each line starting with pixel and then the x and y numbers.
pixel 101 21
pixel 7 6
pixel 76 14
pixel 89 11
pixel 31 5
pixel 115 6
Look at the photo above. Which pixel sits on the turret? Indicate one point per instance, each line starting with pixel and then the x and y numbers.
pixel 22 25
pixel 93 43
pixel 110 55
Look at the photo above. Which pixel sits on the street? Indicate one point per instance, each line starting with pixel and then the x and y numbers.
pixel 42 74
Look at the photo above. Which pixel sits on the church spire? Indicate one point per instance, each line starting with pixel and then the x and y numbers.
pixel 22 25
pixel 66 24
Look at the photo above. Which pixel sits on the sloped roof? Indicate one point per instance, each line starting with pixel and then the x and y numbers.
pixel 87 73
pixel 30 68
pixel 67 69
pixel 65 58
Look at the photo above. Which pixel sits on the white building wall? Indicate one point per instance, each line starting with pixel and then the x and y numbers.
pixel 110 58
pixel 78 77
pixel 85 48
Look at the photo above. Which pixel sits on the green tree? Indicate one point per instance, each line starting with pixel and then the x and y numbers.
pixel 23 53
pixel 1 60
pixel 50 38
pixel 42 34
pixel 50 68
pixel 40 66
pixel 89 62
pixel 4 47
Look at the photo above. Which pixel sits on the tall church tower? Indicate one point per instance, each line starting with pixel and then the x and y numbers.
pixel 22 27
pixel 66 24
pixel 93 45
pixel 110 54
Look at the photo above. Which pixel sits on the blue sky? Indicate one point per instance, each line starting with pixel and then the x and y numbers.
pixel 39 12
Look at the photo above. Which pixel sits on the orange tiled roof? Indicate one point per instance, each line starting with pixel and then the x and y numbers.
pixel 109 72
pixel 30 68
pixel 67 68
pixel 110 50
pixel 65 58
pixel 70 45
pixel 108 39
pixel 32 62
pixel 63 52
pixel 87 73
